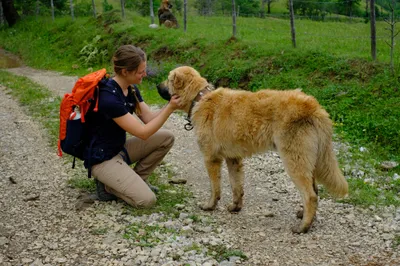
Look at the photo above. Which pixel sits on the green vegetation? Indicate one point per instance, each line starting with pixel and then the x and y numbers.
pixel 147 235
pixel 332 62
pixel 396 241
pixel 220 252
pixel 168 197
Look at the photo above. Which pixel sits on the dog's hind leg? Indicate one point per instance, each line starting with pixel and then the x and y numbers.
pixel 299 158
pixel 300 212
pixel 236 176
pixel 213 166
pixel 304 183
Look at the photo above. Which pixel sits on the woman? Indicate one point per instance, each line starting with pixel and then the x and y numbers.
pixel 110 153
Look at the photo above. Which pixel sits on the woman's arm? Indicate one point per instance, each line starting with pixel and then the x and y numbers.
pixel 143 131
pixel 146 114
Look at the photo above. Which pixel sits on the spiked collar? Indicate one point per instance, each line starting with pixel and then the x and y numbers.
pixel 206 90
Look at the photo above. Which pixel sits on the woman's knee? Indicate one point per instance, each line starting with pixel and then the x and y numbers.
pixel 169 138
pixel 147 202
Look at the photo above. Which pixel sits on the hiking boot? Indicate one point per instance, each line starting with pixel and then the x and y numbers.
pixel 153 188
pixel 102 194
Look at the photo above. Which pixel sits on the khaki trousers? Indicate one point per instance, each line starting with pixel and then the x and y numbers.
pixel 127 183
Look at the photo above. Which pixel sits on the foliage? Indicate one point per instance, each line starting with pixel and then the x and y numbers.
pixel 28 7
pixel 349 8
pixel 143 6
pixel 91 54
pixel 36 100
pixel 313 9
pixel 224 7
pixel 223 253
pixel 83 9
pixel 106 6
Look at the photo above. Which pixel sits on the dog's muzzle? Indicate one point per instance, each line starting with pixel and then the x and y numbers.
pixel 163 91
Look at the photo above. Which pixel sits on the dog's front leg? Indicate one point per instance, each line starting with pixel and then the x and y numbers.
pixel 213 166
pixel 236 176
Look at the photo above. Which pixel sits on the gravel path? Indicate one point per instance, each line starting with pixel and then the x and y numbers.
pixel 40 224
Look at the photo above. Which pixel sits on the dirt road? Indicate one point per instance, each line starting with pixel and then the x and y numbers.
pixel 39 223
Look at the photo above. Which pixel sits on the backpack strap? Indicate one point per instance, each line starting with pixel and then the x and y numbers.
pixel 89 166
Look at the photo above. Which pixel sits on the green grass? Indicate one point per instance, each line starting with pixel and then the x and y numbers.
pixel 36 100
pixel 220 253
pixel 82 182
pixel 143 235
pixel 168 196
pixel 396 241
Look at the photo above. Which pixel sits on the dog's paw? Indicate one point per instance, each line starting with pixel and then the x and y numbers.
pixel 234 207
pixel 300 229
pixel 207 206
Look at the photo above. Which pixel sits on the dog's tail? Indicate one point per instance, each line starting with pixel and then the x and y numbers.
pixel 327 171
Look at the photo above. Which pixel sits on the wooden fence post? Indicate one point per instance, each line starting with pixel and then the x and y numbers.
pixel 373 30
pixel 293 30
pixel 234 18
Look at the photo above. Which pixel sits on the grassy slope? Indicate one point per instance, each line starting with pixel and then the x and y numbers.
pixel 331 62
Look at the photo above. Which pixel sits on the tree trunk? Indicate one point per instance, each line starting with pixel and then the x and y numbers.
pixel 373 30
pixel 392 29
pixel 233 19
pixel 123 8
pixel 151 12
pixel 263 8
pixel 71 5
pixel 293 30
pixel 2 20
pixel 269 6
pixel 184 15
pixel 37 8
pixel 93 6
pixel 209 8
pixel 10 13
pixel 52 9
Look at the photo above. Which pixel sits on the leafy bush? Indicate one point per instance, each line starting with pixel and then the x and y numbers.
pixel 92 54
pixel 106 6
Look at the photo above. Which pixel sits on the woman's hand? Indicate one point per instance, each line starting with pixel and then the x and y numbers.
pixel 174 103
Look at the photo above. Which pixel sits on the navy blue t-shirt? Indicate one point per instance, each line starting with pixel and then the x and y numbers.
pixel 108 138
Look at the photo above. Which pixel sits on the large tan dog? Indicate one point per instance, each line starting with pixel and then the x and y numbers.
pixel 232 124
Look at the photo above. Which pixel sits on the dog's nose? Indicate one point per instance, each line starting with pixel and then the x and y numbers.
pixel 163 91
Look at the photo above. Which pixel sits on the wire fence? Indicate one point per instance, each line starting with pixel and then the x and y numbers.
pixel 257 28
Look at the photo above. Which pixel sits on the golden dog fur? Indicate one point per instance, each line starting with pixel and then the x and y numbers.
pixel 232 124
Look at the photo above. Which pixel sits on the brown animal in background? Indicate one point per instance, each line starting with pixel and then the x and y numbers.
pixel 233 124
pixel 165 15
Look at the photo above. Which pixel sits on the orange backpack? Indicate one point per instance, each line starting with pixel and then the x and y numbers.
pixel 73 108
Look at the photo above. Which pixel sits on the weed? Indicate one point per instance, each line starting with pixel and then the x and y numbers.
pixel 168 196
pixel 396 241
pixel 99 231
pixel 220 253
pixel 82 183
pixel 147 235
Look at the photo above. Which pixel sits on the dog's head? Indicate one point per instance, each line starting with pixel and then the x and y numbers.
pixel 185 82
pixel 166 4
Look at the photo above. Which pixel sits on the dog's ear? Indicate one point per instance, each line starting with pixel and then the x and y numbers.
pixel 178 81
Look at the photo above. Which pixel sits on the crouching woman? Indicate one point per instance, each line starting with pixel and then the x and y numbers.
pixel 121 109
